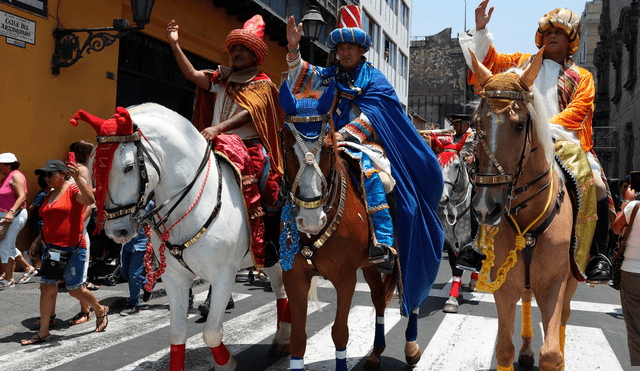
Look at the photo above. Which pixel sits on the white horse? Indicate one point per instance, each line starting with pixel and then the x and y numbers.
pixel 171 151
pixel 454 212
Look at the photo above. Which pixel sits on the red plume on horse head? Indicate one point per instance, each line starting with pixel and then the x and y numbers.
pixel 118 124
pixel 448 148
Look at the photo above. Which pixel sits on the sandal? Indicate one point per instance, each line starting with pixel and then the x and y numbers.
pixel 90 286
pixel 4 284
pixel 36 339
pixel 52 321
pixel 102 321
pixel 28 275
pixel 80 318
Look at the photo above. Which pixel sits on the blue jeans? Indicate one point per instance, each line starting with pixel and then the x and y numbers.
pixel 132 269
pixel 74 276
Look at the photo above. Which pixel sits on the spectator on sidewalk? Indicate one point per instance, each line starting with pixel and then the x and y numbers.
pixel 630 274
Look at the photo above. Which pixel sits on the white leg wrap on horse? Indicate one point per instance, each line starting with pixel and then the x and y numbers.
pixel 341 354
pixel 380 320
pixel 275 274
pixel 296 364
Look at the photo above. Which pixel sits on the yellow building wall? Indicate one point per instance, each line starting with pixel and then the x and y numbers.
pixel 37 105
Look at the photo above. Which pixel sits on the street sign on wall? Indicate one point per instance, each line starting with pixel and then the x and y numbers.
pixel 17 28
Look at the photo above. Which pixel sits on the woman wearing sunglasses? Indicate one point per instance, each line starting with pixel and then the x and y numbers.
pixel 62 213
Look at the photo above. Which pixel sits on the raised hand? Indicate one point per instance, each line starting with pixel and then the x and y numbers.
pixel 482 18
pixel 172 32
pixel 294 33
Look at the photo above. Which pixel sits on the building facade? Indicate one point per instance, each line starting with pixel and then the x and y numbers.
pixel 438 78
pixel 388 23
pixel 617 102
pixel 589 36
pixel 140 67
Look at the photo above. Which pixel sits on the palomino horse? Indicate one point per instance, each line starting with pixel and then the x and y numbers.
pixel 454 211
pixel 325 205
pixel 209 234
pixel 521 203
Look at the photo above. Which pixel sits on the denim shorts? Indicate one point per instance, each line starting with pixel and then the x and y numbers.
pixel 74 274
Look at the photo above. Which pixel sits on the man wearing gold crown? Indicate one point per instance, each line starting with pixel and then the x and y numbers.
pixel 371 122
pixel 242 100
pixel 568 98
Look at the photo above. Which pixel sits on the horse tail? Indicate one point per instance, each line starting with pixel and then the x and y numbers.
pixel 313 292
pixel 390 282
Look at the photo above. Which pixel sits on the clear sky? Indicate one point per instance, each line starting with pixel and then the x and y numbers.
pixel 513 23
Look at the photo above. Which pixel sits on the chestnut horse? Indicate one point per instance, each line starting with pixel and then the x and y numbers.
pixel 521 204
pixel 326 220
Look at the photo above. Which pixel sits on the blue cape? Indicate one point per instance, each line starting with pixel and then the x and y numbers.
pixel 418 178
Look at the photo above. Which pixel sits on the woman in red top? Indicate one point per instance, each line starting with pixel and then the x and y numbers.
pixel 62 214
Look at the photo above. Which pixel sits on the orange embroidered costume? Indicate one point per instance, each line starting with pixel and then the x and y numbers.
pixel 564 95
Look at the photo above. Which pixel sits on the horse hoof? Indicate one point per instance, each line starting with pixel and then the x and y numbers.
pixel 230 366
pixel 472 285
pixel 451 306
pixel 412 355
pixel 525 360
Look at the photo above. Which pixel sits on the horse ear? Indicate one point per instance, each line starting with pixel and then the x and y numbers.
pixel 436 141
pixel 123 120
pixel 462 142
pixel 287 100
pixel 326 100
pixel 531 72
pixel 95 122
pixel 482 72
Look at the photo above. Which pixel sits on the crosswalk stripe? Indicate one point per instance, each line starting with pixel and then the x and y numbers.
pixel 462 342
pixel 320 351
pixel 58 352
pixel 488 298
pixel 586 347
pixel 240 333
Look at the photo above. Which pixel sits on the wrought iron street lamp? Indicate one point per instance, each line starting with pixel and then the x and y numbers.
pixel 312 23
pixel 68 50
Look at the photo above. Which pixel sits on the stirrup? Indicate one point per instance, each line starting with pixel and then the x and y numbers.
pixel 379 253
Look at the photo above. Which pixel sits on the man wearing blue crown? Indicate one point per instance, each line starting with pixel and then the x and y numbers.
pixel 370 120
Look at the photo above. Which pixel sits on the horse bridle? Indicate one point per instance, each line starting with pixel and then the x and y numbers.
pixel 134 207
pixel 137 209
pixel 463 196
pixel 309 160
pixel 502 178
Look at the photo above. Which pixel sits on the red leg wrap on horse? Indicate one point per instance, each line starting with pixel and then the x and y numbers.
pixel 177 357
pixel 220 354
pixel 474 275
pixel 455 286
pixel 284 311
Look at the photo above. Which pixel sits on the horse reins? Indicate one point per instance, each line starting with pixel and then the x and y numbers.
pixel 525 240
pixel 137 208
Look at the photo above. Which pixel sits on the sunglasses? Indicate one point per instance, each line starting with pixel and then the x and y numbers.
pixel 50 174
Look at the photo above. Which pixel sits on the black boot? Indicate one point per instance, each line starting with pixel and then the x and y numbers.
pixel 599 267
pixel 230 304
pixel 469 258
pixel 204 307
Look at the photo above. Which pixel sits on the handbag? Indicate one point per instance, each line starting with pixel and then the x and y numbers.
pixel 618 253
pixel 54 263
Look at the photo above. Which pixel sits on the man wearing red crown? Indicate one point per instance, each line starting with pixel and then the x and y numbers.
pixel 368 114
pixel 567 92
pixel 242 100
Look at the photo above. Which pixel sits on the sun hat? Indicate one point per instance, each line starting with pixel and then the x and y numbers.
pixel 350 30
pixel 8 158
pixel 250 36
pixel 51 166
pixel 564 19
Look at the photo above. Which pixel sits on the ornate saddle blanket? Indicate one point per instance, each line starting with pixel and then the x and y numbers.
pixel 231 148
pixel 581 185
